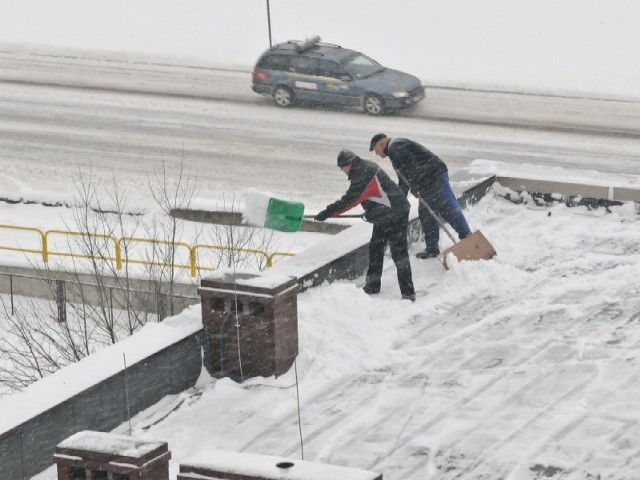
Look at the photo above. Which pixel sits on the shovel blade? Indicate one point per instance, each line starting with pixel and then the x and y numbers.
pixel 263 210
pixel 473 247
pixel 284 215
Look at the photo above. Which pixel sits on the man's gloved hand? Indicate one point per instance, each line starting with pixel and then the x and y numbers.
pixel 322 216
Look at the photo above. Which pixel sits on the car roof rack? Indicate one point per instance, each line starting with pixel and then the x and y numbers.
pixel 301 46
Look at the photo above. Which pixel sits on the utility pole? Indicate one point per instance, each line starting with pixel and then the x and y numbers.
pixel 269 22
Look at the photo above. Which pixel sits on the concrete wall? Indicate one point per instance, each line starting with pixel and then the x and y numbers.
pixel 28 448
pixel 141 295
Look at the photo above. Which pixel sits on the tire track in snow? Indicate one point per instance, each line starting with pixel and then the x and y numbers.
pixel 567 429
pixel 483 456
pixel 442 344
pixel 343 392
pixel 573 326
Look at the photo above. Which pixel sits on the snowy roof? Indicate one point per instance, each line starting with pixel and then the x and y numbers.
pixel 110 443
pixel 274 468
pixel 263 280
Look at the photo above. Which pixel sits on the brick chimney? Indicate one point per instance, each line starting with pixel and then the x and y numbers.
pixel 250 324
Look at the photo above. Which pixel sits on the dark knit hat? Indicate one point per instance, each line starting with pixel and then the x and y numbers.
pixel 375 139
pixel 345 157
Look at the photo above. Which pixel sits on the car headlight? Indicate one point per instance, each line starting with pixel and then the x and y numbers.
pixel 401 94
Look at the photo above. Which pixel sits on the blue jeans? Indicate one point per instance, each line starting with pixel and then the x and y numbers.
pixel 442 200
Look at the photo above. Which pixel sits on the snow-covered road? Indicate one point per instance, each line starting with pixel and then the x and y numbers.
pixel 233 139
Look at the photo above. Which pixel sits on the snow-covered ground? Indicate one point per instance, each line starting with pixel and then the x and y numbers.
pixel 522 367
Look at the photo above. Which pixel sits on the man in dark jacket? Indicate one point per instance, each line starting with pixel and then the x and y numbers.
pixel 427 177
pixel 385 206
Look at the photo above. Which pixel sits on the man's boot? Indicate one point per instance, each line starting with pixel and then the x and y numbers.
pixel 428 253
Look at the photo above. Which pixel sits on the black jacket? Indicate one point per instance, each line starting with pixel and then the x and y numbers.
pixel 414 163
pixel 381 199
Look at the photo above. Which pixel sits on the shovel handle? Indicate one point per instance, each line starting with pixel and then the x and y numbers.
pixel 339 216
pixel 438 219
pixel 429 209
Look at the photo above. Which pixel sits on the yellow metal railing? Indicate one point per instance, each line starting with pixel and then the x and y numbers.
pixel 119 245
pixel 192 266
pixel 46 251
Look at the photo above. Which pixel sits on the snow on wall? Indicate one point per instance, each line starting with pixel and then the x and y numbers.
pixel 64 384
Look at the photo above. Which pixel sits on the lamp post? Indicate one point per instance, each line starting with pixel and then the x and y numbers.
pixel 269 22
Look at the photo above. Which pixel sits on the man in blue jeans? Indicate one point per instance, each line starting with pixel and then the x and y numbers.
pixel 427 177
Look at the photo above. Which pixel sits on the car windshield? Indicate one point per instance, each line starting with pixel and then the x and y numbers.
pixel 361 66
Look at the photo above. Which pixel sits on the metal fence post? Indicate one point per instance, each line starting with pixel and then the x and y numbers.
pixel 11 294
pixel 61 300
pixel 162 306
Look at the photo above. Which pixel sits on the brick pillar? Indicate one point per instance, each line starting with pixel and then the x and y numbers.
pixel 250 322
pixel 105 456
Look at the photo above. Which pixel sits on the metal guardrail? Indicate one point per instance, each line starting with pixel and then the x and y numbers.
pixel 117 256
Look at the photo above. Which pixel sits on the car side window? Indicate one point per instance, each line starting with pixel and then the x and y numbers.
pixel 327 68
pixel 304 65
pixel 274 62
pixel 362 66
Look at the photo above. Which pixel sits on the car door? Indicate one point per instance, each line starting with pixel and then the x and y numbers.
pixel 306 84
pixel 335 84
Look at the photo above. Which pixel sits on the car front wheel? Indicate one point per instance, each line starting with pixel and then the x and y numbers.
pixel 283 97
pixel 373 105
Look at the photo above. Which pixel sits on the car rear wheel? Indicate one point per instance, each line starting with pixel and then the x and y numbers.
pixel 283 97
pixel 373 105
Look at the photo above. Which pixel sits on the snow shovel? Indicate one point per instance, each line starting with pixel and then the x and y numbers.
pixel 263 210
pixel 473 247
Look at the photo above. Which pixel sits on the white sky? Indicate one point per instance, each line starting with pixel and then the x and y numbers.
pixel 509 366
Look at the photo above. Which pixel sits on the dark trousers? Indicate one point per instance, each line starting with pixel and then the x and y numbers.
pixel 394 233
pixel 442 200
